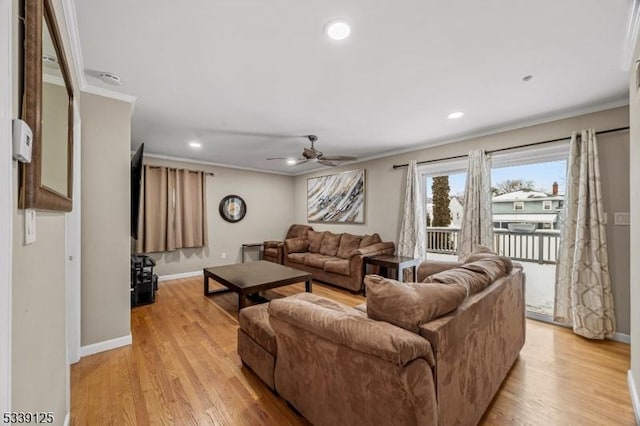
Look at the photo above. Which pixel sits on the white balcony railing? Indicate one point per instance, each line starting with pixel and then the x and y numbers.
pixel 541 246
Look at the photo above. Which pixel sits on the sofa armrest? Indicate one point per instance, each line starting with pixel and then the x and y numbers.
pixel 375 249
pixel 273 244
pixel 351 329
pixel 430 267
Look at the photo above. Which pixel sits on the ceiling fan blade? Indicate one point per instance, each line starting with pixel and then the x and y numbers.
pixel 338 158
pixel 327 163
pixel 278 158
pixel 298 163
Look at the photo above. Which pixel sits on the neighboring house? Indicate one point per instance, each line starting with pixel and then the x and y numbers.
pixel 455 208
pixel 528 207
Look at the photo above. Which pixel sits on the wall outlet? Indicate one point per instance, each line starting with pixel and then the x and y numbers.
pixel 622 218
pixel 223 255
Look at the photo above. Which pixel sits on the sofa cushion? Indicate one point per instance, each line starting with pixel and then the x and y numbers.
pixel 409 305
pixel 474 276
pixel 317 260
pixel 254 320
pixel 297 257
pixel 330 244
pixel 368 240
pixel 315 240
pixel 341 266
pixel 351 328
pixel 480 252
pixel 297 245
pixel 348 244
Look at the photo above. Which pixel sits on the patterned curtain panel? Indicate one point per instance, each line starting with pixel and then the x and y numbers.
pixel 583 288
pixel 172 211
pixel 477 220
pixel 413 234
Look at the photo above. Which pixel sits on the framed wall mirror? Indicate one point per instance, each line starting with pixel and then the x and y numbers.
pixel 47 107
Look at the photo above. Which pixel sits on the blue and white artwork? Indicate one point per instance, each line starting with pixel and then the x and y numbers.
pixel 336 198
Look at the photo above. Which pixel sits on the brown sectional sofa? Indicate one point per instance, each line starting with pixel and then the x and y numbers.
pixel 334 258
pixel 336 365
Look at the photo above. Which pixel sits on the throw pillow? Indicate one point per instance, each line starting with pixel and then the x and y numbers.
pixel 315 240
pixel 348 244
pixel 297 245
pixel 330 244
pixel 409 305
pixel 368 240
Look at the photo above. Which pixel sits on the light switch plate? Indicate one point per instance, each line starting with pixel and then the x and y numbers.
pixel 622 218
pixel 29 226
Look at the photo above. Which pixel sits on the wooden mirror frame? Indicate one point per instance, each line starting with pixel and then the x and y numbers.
pixel 32 194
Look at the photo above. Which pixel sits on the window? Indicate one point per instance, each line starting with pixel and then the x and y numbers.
pixel 546 205
pixel 518 205
pixel 560 205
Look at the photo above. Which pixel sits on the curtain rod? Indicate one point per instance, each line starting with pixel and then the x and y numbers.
pixel 456 157
pixel 176 168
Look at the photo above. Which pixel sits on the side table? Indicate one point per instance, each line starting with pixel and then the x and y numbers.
pixel 259 246
pixel 397 263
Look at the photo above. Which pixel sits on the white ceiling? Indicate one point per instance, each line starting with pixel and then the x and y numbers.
pixel 239 75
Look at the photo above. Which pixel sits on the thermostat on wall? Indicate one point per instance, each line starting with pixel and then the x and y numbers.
pixel 22 141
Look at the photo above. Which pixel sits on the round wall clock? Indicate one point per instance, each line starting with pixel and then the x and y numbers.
pixel 232 208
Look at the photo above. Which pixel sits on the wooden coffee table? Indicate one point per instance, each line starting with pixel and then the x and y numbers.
pixel 253 277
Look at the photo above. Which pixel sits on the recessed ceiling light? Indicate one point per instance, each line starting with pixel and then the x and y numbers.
pixel 527 78
pixel 195 144
pixel 337 29
pixel 455 115
pixel 110 78
pixel 291 161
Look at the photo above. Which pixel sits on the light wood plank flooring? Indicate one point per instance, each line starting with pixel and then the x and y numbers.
pixel 183 369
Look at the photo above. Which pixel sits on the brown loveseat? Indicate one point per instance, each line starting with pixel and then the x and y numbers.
pixel 334 258
pixel 337 365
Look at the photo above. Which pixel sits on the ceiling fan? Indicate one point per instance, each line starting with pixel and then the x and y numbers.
pixel 313 155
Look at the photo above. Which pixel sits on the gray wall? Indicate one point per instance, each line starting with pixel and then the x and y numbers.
pixel 385 186
pixel 38 340
pixel 106 141
pixel 634 105
pixel 269 199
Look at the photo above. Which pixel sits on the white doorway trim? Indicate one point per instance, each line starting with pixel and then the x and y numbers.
pixel 7 201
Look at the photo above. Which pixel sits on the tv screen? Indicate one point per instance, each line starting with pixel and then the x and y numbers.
pixel 136 182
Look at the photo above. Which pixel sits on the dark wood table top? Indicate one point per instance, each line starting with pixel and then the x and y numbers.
pixel 253 275
pixel 392 260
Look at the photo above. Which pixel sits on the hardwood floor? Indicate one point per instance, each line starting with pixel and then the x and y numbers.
pixel 183 369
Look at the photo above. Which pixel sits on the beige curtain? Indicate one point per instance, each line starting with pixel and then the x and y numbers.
pixel 413 235
pixel 172 211
pixel 583 288
pixel 477 220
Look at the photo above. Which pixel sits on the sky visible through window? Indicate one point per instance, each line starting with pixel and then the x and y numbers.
pixel 542 174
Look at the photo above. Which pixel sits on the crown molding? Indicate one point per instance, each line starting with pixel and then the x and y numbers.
pixel 492 131
pixel 631 36
pixel 208 163
pixel 100 91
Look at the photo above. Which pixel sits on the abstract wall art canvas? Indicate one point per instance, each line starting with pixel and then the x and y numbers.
pixel 336 198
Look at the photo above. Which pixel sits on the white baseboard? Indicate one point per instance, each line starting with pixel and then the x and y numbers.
pixel 178 276
pixel 67 419
pixel 635 401
pixel 621 337
pixel 106 345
